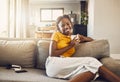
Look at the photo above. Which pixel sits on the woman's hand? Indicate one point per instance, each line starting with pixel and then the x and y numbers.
pixel 76 40
pixel 84 38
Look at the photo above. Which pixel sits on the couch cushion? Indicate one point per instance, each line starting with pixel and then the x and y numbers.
pixel 43 52
pixel 19 52
pixel 32 75
pixel 96 48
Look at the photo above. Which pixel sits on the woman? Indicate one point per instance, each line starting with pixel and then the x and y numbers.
pixel 60 64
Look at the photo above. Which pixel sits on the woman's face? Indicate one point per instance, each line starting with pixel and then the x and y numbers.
pixel 65 26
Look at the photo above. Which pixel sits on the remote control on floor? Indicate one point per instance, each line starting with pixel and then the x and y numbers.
pixel 20 71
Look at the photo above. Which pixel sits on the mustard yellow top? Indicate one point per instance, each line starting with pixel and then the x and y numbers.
pixel 63 41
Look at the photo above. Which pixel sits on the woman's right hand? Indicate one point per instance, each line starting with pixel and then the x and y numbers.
pixel 74 41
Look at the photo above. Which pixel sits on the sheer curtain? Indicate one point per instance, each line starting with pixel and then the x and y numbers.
pixel 3 18
pixel 18 18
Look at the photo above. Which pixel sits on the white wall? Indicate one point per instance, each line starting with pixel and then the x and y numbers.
pixel 105 23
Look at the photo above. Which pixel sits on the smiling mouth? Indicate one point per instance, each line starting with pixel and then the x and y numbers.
pixel 68 32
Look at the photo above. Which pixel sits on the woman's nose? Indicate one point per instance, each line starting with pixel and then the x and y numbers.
pixel 67 26
pixel 68 29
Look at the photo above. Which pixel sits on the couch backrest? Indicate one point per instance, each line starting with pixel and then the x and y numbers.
pixel 33 52
pixel 43 53
pixel 97 49
pixel 18 51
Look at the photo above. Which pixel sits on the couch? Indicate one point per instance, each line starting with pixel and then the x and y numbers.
pixel 31 55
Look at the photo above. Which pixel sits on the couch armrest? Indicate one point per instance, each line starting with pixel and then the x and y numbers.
pixel 111 64
pixel 96 48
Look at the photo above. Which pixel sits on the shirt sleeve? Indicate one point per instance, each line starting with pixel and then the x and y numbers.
pixel 55 36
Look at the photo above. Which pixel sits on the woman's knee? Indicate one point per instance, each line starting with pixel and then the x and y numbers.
pixel 92 58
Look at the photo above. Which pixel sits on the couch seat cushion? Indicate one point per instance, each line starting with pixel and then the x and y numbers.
pixel 33 75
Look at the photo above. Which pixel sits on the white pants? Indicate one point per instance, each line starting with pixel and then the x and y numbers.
pixel 68 67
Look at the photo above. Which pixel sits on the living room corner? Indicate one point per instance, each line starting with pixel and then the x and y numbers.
pixel 104 23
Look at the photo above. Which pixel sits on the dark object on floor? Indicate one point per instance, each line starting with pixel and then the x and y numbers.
pixel 9 66
pixel 20 71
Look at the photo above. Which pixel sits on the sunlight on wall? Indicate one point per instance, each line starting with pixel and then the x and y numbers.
pixel 3 18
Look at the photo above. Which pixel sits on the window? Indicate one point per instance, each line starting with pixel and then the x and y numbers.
pixel 50 14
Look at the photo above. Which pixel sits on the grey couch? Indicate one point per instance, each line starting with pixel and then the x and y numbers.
pixel 31 55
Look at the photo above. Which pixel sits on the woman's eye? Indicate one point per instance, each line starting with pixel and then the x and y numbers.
pixel 63 25
pixel 68 24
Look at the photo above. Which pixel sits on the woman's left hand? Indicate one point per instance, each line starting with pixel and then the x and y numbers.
pixel 84 38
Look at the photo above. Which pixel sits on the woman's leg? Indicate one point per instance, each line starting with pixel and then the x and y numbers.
pixel 107 74
pixel 84 77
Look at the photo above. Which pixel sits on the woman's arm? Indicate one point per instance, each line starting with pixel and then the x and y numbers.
pixel 53 51
pixel 84 38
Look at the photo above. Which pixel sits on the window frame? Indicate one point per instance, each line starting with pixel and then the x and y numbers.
pixel 52 9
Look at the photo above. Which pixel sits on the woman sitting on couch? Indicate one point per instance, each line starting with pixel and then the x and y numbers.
pixel 60 64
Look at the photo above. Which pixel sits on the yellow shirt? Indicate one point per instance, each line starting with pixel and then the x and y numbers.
pixel 63 41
